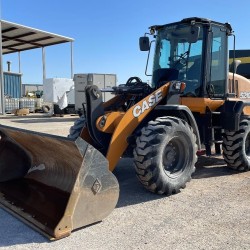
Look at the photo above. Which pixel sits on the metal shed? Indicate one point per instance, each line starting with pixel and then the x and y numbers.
pixel 15 38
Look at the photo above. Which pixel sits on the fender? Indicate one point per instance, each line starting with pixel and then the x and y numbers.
pixel 232 110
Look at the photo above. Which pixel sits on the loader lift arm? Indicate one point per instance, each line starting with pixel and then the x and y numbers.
pixel 124 123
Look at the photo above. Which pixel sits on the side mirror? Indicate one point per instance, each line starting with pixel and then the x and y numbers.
pixel 144 43
pixel 194 34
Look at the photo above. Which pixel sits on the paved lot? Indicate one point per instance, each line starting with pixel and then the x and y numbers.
pixel 213 212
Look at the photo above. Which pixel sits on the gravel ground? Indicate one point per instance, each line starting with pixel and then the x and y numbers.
pixel 212 212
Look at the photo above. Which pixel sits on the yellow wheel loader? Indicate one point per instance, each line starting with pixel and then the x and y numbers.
pixel 193 105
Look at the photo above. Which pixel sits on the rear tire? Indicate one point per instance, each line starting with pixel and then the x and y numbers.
pixel 236 147
pixel 76 129
pixel 165 155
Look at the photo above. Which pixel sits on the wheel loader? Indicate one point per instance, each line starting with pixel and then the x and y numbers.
pixel 193 105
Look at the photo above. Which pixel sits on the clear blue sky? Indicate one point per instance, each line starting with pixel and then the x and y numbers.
pixel 106 32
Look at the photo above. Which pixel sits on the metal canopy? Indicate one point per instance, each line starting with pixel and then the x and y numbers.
pixel 16 37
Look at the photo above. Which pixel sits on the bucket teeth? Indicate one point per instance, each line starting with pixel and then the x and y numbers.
pixel 52 183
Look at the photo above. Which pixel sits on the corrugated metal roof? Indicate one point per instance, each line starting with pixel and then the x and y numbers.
pixel 16 37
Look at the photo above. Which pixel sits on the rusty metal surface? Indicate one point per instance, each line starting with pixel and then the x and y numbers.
pixel 54 184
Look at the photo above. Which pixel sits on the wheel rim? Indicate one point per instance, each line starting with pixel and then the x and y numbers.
pixel 174 157
pixel 247 145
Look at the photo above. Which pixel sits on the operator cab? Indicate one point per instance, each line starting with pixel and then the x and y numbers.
pixel 193 51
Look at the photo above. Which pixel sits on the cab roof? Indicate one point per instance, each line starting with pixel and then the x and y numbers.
pixel 193 20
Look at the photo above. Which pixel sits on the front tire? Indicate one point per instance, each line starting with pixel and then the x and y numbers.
pixel 165 155
pixel 236 147
pixel 76 129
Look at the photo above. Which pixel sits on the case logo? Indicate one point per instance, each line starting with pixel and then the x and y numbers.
pixel 147 104
pixel 244 95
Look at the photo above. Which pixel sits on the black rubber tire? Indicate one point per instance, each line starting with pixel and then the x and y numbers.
pixel 45 109
pixel 76 129
pixel 165 155
pixel 236 147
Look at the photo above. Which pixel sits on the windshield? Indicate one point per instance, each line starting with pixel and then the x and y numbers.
pixel 178 58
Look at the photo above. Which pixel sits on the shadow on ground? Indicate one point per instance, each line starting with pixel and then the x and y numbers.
pixel 213 166
pixel 15 117
pixel 38 118
pixel 14 232
pixel 132 192
pixel 45 120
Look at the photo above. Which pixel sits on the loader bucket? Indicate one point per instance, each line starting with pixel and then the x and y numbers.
pixel 52 183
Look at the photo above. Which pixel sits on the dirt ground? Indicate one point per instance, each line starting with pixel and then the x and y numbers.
pixel 212 212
